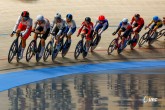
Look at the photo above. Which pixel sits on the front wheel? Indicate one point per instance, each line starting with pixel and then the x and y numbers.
pixel 30 50
pixel 143 39
pixel 112 46
pixel 38 57
pixel 78 49
pixel 54 54
pixel 19 51
pixel 12 51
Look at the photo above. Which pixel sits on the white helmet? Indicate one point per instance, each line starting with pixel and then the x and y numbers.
pixel 40 18
pixel 125 20
pixel 57 16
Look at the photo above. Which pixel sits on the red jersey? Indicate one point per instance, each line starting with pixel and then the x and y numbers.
pixel 89 27
pixel 140 22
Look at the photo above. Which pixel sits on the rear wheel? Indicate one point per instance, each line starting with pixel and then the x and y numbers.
pixel 134 41
pixel 65 48
pixel 48 50
pixel 38 57
pixel 30 50
pixel 78 49
pixel 19 51
pixel 95 42
pixel 112 46
pixel 143 39
pixel 161 33
pixel 12 51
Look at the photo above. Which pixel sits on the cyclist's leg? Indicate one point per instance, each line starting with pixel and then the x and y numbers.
pixel 88 42
pixel 137 31
pixel 70 33
pixel 44 37
pixel 125 35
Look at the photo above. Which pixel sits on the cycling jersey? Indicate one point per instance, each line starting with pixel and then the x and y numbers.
pixel 45 25
pixel 70 27
pixel 25 25
pixel 158 23
pixel 103 24
pixel 137 23
pixel 59 25
pixel 87 29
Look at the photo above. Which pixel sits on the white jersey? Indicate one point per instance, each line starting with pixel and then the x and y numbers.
pixel 45 24
pixel 60 26
pixel 27 23
pixel 71 24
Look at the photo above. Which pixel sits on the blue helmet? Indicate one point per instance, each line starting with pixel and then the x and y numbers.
pixel 155 18
pixel 69 16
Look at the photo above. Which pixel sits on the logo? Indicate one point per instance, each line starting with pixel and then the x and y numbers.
pixel 148 99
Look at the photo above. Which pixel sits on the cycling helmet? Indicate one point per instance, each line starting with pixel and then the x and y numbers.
pixel 57 16
pixel 69 16
pixel 101 18
pixel 88 19
pixel 137 15
pixel 125 20
pixel 25 14
pixel 40 18
pixel 155 18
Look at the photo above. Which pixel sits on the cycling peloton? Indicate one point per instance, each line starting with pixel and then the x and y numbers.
pixel 42 26
pixel 124 27
pixel 23 28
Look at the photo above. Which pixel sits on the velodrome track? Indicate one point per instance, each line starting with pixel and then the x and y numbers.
pixel 114 10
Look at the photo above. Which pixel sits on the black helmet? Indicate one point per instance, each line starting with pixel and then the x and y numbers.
pixel 88 19
pixel 25 14
pixel 137 15
pixel 69 16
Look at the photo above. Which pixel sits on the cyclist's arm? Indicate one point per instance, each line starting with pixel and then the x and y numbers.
pixel 150 23
pixel 133 19
pixel 103 28
pixel 17 23
pixel 79 31
pixel 72 26
pixel 29 25
pixel 118 28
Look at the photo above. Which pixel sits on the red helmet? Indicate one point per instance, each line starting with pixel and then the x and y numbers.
pixel 25 14
pixel 101 18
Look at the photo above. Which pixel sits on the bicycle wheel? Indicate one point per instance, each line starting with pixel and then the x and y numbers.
pixel 95 42
pixel 152 38
pixel 12 51
pixel 30 50
pixel 48 50
pixel 19 51
pixel 143 39
pixel 134 42
pixel 54 54
pixel 161 33
pixel 120 49
pixel 78 49
pixel 112 46
pixel 65 48
pixel 38 52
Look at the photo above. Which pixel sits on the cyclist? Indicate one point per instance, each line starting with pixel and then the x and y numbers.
pixel 125 27
pixel 157 24
pixel 101 25
pixel 87 29
pixel 42 26
pixel 70 27
pixel 58 29
pixel 23 28
pixel 138 23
